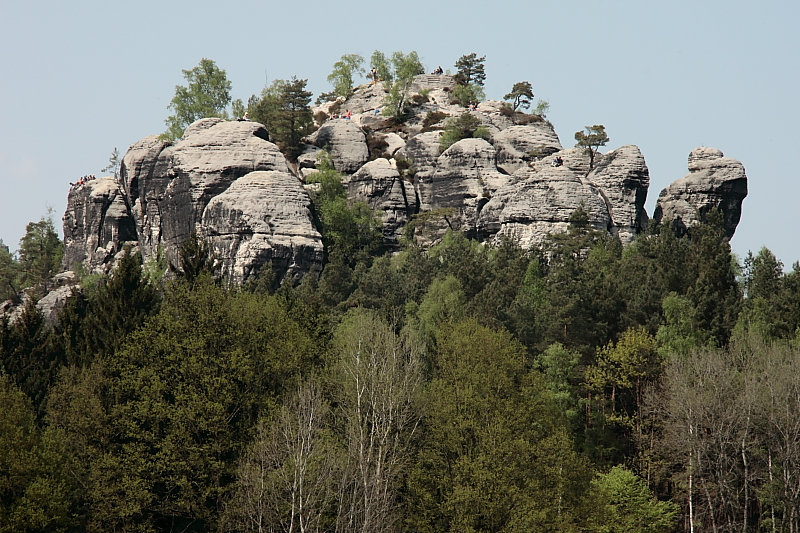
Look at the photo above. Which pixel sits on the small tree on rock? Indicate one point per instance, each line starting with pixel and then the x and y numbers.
pixel 591 140
pixel 344 70
pixel 520 95
pixel 470 70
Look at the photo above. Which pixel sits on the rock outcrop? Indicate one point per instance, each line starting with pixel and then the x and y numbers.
pixel 97 223
pixel 541 203
pixel 346 143
pixel 378 183
pixel 714 182
pixel 228 182
pixel 263 218
pixel 623 178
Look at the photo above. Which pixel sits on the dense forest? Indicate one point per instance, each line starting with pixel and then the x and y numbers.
pixel 575 387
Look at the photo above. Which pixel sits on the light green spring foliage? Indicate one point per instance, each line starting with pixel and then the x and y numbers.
pixel 464 127
pixel 344 73
pixel 405 67
pixel 207 94
pixel 468 94
pixel 542 108
pixel 626 505
pixel 679 333
pixel 383 66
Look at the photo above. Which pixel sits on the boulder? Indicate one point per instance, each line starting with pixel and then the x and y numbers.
pixel 96 223
pixel 378 183
pixel 518 145
pixel 464 179
pixel 346 143
pixel 714 182
pixel 261 218
pixel 539 204
pixel 623 178
pixel 169 186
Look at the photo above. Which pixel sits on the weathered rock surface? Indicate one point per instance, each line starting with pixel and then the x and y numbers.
pixel 623 178
pixel 539 204
pixel 168 188
pixel 713 182
pixel 518 145
pixel 263 217
pixel 346 143
pixel 378 183
pixel 97 223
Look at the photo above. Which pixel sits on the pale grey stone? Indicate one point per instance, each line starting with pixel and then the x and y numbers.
pixel 263 217
pixel 713 182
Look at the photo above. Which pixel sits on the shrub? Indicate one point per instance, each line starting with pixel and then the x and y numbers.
pixel 464 127
pixel 432 118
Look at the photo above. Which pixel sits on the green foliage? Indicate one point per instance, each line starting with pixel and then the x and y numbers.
pixel 382 66
pixel 40 253
pixel 591 140
pixel 344 71
pixel 542 108
pixel 520 95
pixel 350 231
pixel 470 70
pixel 490 431
pixel 464 127
pixel 196 258
pixel 626 505
pixel 405 66
pixel 35 487
pixel 465 95
pixel 113 163
pixel 8 273
pixel 283 108
pixel 207 94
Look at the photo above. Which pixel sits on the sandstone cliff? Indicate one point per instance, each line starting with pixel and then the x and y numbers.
pixel 229 183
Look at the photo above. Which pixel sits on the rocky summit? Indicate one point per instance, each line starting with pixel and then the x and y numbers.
pixel 229 183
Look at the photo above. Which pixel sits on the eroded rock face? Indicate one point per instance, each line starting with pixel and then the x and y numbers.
pixel 623 178
pixel 713 182
pixel 169 186
pixel 345 141
pixel 378 183
pixel 97 223
pixel 541 203
pixel 263 217
pixel 518 145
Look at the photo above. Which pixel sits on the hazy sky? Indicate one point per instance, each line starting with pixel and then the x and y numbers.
pixel 79 78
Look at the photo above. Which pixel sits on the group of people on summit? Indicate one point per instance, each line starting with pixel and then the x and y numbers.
pixel 83 180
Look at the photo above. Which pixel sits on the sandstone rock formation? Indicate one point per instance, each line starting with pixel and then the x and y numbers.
pixel 345 141
pixel 167 191
pixel 540 203
pixel 227 181
pixel 263 218
pixel 96 224
pixel 623 178
pixel 378 183
pixel 713 182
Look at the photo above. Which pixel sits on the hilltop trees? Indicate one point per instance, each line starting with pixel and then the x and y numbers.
pixel 40 252
pixel 405 66
pixel 207 94
pixel 591 140
pixel 520 95
pixel 343 74
pixel 469 79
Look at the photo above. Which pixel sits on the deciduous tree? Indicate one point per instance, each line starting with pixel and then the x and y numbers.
pixel 207 94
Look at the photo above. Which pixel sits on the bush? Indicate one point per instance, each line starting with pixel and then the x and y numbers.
pixel 432 118
pixel 464 127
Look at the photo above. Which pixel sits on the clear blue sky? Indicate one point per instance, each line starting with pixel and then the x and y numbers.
pixel 78 78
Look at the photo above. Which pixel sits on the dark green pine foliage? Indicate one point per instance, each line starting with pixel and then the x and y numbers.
pixel 98 326
pixel 196 258
pixel 30 355
pixel 40 253
pixel 715 294
pixel 293 119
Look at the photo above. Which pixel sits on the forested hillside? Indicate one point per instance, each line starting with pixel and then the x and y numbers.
pixel 417 381
pixel 578 386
